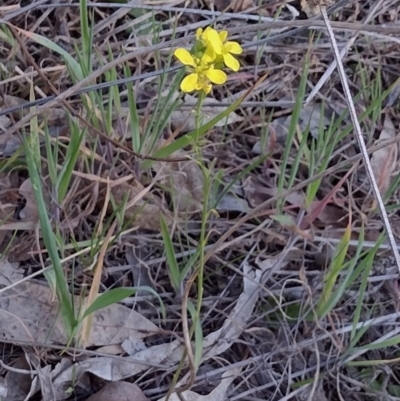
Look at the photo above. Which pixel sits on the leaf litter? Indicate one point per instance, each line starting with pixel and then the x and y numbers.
pixel 119 391
pixel 29 312
pixel 184 181
pixel 111 326
pixel 253 318
pixel 384 161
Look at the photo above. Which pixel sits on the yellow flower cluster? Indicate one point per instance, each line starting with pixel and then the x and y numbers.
pixel 205 62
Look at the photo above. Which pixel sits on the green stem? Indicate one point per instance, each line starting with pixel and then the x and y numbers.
pixel 198 119
pixel 202 242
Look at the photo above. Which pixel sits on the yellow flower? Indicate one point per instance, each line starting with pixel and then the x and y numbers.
pixel 229 48
pixel 211 39
pixel 202 74
pixel 221 47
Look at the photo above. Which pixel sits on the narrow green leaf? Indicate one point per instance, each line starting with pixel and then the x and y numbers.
pixel 337 265
pixel 283 219
pixel 190 137
pixel 390 342
pixel 292 132
pixel 73 151
pixel 76 68
pixel 170 254
pixel 133 113
pixel 198 335
pixel 117 295
pixel 32 152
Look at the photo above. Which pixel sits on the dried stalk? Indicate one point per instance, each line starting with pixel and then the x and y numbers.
pixel 360 138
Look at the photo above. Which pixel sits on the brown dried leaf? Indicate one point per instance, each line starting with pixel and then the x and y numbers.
pixel 4 123
pixel 185 182
pixel 234 5
pixel 30 311
pixel 8 204
pixel 30 211
pixel 143 209
pixel 219 392
pixel 8 101
pixel 241 5
pixel 313 7
pixel 384 161
pixel 18 384
pixel 255 191
pixel 119 391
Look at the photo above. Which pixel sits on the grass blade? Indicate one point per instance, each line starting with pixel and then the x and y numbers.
pixel 170 254
pixel 117 295
pixel 325 304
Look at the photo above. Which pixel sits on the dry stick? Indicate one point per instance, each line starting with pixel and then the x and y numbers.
pixel 344 51
pixel 360 137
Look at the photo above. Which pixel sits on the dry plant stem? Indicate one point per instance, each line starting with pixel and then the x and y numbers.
pixel 343 51
pixel 16 370
pixel 360 138
pixel 188 345
pixel 186 336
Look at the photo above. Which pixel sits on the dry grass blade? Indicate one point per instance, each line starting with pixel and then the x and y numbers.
pixel 94 290
pixel 360 139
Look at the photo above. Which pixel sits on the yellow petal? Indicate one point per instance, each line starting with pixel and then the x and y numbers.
pixel 208 56
pixel 231 62
pixel 198 33
pixel 184 57
pixel 207 88
pixel 213 40
pixel 204 36
pixel 189 83
pixel 223 35
pixel 204 86
pixel 216 76
pixel 232 47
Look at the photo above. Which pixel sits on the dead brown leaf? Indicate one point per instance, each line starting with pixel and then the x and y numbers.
pixel 185 182
pixel 30 212
pixel 119 391
pixel 255 191
pixel 384 161
pixel 29 312
pixel 18 384
pixel 4 123
pixel 234 5
pixel 142 207
pixel 241 5
pixel 8 203
pixel 313 7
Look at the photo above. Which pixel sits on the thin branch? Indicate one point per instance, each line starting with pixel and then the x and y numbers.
pixel 360 138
